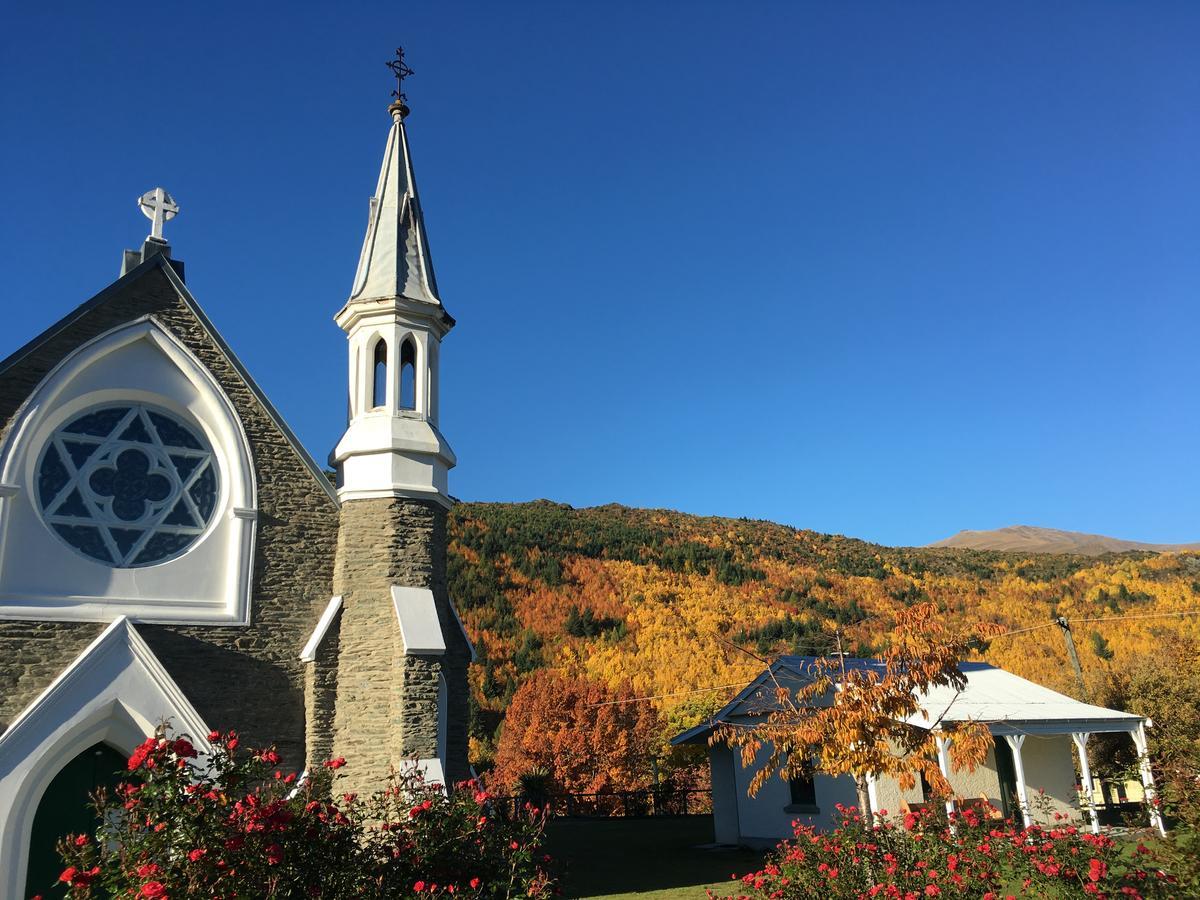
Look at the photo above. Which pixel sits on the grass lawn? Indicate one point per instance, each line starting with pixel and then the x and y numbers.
pixel 651 859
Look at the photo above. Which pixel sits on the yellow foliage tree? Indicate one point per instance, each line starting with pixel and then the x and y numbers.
pixel 856 721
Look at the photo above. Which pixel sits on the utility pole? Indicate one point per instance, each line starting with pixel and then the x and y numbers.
pixel 1069 638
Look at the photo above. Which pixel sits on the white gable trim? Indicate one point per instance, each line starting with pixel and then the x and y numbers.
pixel 117 692
pixel 309 653
pixel 420 628
pixel 45 580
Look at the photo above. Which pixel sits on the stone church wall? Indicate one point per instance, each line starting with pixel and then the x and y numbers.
pixel 386 701
pixel 248 678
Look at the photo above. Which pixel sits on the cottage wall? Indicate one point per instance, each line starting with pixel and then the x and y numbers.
pixel 768 816
pixel 1050 768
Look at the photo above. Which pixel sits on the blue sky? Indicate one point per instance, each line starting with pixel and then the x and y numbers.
pixel 889 270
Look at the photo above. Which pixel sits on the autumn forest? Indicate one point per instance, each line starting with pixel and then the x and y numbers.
pixel 602 632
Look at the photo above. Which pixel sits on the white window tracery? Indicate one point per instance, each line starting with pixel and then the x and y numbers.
pixel 128 485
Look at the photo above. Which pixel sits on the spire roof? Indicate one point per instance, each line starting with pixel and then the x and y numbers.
pixel 395 260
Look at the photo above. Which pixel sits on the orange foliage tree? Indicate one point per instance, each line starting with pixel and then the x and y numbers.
pixel 587 737
pixel 855 721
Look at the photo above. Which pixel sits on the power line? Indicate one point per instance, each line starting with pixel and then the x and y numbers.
pixel 1162 615
pixel 708 690
pixel 1019 631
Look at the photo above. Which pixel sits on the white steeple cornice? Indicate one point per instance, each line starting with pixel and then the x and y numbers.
pixel 395 260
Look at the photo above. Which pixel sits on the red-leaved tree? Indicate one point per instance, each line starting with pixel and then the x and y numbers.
pixel 584 736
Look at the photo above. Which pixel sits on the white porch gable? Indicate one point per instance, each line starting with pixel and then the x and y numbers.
pixel 117 692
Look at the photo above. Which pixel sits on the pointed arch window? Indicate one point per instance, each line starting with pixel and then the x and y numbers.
pixel 379 374
pixel 408 374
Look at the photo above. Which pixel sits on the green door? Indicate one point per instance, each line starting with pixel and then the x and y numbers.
pixel 65 809
pixel 1007 771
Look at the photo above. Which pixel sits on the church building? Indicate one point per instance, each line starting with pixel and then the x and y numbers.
pixel 169 552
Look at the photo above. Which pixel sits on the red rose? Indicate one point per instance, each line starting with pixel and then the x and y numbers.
pixel 419 886
pixel 81 840
pixel 475 882
pixel 1097 869
pixel 154 889
pixel 68 874
pixel 197 854
pixel 183 747
pixel 213 736
pixel 336 763
pixel 147 870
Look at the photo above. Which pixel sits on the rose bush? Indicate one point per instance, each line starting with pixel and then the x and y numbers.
pixel 920 855
pixel 231 824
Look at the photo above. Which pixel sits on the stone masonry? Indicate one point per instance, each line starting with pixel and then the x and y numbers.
pixel 385 702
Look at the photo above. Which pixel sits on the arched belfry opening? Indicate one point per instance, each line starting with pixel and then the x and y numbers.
pixel 408 374
pixel 379 374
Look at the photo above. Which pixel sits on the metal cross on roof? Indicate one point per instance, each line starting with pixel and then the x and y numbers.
pixel 158 206
pixel 401 70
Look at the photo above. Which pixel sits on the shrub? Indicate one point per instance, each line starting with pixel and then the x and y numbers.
pixel 920 856
pixel 231 824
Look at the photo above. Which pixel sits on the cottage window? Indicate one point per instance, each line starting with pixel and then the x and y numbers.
pixel 803 791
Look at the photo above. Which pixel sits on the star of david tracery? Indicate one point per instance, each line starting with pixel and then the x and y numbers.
pixel 127 485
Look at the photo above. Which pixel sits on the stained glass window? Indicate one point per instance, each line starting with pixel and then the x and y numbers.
pixel 128 485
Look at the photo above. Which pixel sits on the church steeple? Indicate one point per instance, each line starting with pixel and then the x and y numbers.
pixel 395 322
pixel 393 683
pixel 395 260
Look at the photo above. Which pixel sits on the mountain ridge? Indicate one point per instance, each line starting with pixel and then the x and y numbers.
pixel 1037 539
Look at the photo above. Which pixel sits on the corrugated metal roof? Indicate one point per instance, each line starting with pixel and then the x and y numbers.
pixel 1007 702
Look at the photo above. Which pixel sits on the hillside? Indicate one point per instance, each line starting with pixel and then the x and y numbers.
pixel 1032 539
pixel 660 602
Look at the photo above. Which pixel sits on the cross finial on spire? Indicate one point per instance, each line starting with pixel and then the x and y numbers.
pixel 401 70
pixel 158 206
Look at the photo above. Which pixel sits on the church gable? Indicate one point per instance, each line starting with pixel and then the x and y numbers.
pixel 274 518
pixel 129 473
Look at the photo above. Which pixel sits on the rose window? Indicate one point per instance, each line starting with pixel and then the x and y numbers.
pixel 127 485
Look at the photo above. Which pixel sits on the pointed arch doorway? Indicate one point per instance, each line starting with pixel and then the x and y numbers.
pixel 65 809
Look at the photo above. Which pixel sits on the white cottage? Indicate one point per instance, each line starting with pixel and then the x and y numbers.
pixel 1030 771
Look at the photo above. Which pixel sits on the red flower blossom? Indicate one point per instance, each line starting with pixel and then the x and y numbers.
pixel 419 886
pixel 336 763
pixel 183 747
pixel 197 854
pixel 154 889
